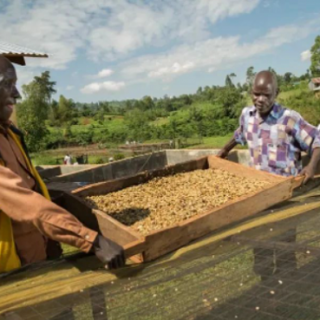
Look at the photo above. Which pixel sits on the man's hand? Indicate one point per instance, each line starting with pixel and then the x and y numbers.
pixel 308 172
pixel 223 153
pixel 109 252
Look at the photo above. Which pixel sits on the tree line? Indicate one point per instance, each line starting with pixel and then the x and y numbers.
pixel 211 110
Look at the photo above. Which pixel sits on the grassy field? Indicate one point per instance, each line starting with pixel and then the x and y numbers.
pixel 159 122
pixel 97 156
pixel 112 123
pixel 215 143
pixel 85 124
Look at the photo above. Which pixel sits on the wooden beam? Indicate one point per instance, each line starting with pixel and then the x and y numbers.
pixel 17 60
pixel 242 171
pixel 170 239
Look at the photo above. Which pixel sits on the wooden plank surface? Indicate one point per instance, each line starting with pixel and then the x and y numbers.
pixel 117 232
pixel 118 184
pixel 167 240
pixel 36 286
pixel 242 171
pixel 135 248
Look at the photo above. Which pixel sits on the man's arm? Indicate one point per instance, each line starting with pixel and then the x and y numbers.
pixel 310 170
pixel 238 137
pixel 223 153
pixel 24 205
pixel 308 137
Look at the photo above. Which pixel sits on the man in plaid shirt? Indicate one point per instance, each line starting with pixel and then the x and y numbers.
pixel 275 135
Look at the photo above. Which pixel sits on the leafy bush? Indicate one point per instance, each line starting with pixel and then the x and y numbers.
pixel 84 138
pixel 118 156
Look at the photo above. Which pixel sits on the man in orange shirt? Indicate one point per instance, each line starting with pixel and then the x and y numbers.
pixel 34 220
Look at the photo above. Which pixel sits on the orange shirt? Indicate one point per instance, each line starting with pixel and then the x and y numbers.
pixel 34 218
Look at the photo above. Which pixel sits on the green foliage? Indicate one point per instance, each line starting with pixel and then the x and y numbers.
pixel 315 58
pixel 47 87
pixel 101 136
pixel 229 83
pixel 63 113
pixel 306 104
pixel 249 77
pixel 54 140
pixel 98 160
pixel 33 111
pixel 99 116
pixel 137 124
pixel 44 159
pixel 66 110
pixel 84 138
pixel 118 156
pixel 211 111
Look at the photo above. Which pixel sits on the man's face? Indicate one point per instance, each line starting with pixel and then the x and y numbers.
pixel 8 93
pixel 263 96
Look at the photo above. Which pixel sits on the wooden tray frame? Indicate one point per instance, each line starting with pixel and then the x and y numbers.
pixel 158 243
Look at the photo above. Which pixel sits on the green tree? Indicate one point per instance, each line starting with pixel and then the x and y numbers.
pixel 231 99
pixel 287 77
pixel 32 113
pixel 105 107
pixel 53 113
pixel 99 116
pixel 199 91
pixel 250 74
pixel 47 86
pixel 137 123
pixel 147 103
pixel 228 81
pixel 315 58
pixel 66 110
pixel 86 110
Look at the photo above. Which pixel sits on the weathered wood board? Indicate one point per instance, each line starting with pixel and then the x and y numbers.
pixel 169 239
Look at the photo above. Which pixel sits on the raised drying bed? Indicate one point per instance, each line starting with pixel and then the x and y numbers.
pixel 272 190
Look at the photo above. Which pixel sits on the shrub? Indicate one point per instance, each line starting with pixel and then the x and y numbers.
pixel 118 156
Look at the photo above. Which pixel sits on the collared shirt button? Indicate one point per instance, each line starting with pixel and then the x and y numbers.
pixel 87 237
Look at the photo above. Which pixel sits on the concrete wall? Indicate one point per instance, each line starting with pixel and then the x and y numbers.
pixel 132 166
pixel 47 172
pixel 182 155
pixel 178 156
pixel 135 165
pixel 116 169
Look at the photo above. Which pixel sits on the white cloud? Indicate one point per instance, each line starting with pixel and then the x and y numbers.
pixel 106 86
pixel 305 55
pixel 25 75
pixel 175 68
pixel 69 88
pixel 212 54
pixel 105 73
pixel 107 29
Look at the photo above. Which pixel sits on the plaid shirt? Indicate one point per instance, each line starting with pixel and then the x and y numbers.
pixel 276 142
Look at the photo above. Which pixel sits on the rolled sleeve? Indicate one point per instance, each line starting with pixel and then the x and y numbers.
pixel 24 205
pixel 305 134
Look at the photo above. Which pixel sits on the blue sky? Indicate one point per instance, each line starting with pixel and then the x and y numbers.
pixel 123 49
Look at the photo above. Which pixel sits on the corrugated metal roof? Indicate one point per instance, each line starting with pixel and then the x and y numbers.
pixel 15 50
pixel 316 80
